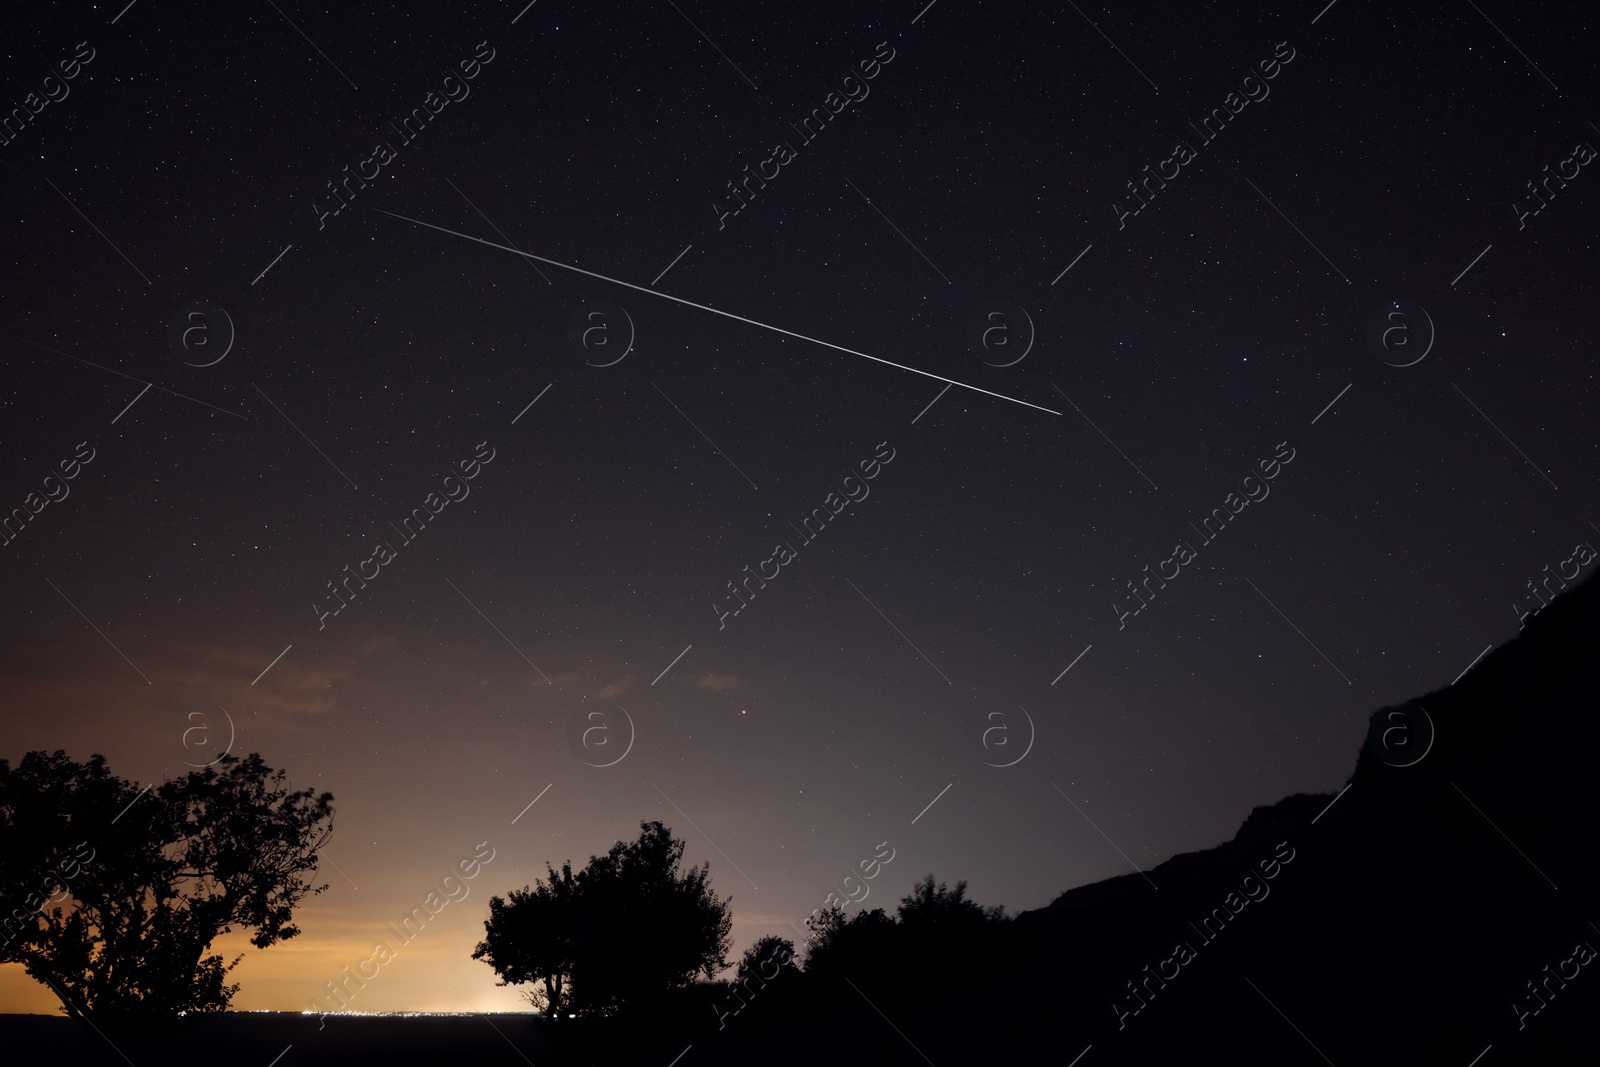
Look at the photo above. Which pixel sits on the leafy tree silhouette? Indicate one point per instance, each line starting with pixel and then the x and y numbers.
pixel 898 960
pixel 770 962
pixel 622 933
pixel 942 931
pixel 940 906
pixel 529 938
pixel 838 945
pixel 766 958
pixel 170 871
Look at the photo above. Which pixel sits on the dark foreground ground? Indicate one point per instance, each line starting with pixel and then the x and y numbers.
pixel 1443 909
pixel 254 1039
pixel 257 1039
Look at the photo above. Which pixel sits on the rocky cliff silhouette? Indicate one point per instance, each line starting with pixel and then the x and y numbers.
pixel 1443 904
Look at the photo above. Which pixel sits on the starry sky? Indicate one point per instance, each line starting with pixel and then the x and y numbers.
pixel 984 322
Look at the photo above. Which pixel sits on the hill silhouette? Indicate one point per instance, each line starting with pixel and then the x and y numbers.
pixel 1422 915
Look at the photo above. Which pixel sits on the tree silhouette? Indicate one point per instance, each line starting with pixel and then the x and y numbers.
pixel 940 906
pixel 124 934
pixel 942 931
pixel 770 962
pixel 838 945
pixel 621 933
pixel 936 931
pixel 529 936
pixel 766 957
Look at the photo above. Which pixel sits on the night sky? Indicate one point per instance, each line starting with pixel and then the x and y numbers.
pixel 1337 323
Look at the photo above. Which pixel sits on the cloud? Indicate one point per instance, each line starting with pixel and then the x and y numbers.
pixel 83 697
pixel 616 689
pixel 379 644
pixel 718 683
